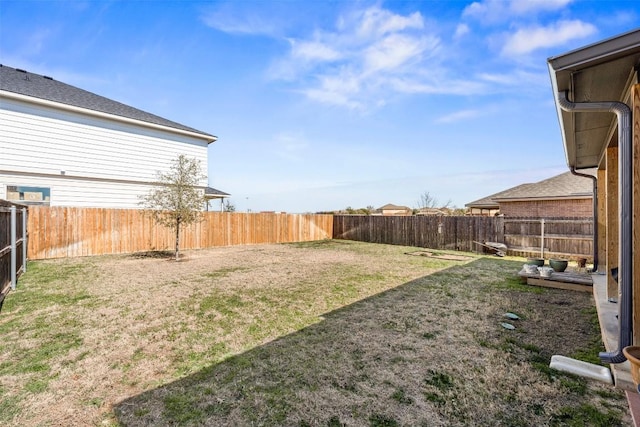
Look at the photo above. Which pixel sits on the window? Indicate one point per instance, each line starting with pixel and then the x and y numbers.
pixel 29 195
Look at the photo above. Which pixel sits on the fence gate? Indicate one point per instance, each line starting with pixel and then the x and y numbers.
pixel 13 246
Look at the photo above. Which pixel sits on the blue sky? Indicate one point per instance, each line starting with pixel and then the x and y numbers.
pixel 320 105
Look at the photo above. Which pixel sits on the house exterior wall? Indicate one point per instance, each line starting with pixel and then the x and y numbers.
pixel 579 208
pixel 483 211
pixel 84 160
pixel 395 212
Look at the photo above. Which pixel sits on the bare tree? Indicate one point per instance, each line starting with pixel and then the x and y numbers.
pixel 177 202
pixel 429 201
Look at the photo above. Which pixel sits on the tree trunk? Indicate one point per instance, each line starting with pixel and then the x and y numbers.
pixel 177 239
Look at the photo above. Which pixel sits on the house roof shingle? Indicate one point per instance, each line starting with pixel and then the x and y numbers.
pixel 391 206
pixel 563 186
pixel 211 192
pixel 42 87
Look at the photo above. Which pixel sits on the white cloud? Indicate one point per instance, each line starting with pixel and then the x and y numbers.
pixel 528 6
pixel 378 22
pixel 230 19
pixel 459 116
pixel 367 56
pixel 516 77
pixel 526 40
pixel 395 50
pixel 313 51
pixel 491 11
pixel 461 30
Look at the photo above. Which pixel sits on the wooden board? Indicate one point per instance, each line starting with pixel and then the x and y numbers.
pixel 559 285
pixel 446 257
pixel 568 280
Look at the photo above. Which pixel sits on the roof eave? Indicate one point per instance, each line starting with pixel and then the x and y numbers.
pixel 544 198
pixel 591 59
pixel 58 105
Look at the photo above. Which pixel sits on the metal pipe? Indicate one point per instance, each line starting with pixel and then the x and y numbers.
pixel 625 159
pixel 595 215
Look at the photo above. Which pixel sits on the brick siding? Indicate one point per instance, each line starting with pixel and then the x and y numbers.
pixel 575 208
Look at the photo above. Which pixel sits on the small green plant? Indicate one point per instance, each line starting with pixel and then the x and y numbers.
pixel 585 415
pixel 401 396
pixel 181 409
pixel 379 420
pixel 440 380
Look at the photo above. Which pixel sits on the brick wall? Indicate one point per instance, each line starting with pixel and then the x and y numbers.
pixel 576 208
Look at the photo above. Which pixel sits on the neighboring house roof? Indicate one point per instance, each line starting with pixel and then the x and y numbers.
pixel 390 206
pixel 489 202
pixel 563 186
pixel 212 193
pixel 46 88
pixel 431 211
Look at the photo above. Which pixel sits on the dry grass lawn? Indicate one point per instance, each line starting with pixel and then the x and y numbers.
pixel 331 333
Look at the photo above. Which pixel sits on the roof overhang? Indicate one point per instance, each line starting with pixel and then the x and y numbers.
pixel 601 72
pixel 66 107
pixel 539 199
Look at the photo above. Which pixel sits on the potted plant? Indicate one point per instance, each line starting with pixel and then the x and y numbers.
pixel 558 265
pixel 536 261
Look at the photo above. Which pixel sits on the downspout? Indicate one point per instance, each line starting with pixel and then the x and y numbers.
pixel 595 215
pixel 625 158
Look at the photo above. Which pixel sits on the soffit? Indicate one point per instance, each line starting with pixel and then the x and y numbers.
pixel 597 73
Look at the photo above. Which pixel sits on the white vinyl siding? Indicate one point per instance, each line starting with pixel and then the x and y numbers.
pixel 37 139
pixel 86 161
pixel 81 193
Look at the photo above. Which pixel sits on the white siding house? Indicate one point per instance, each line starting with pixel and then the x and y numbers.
pixel 63 146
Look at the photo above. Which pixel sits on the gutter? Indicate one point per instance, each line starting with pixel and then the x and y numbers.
pixel 595 215
pixel 625 159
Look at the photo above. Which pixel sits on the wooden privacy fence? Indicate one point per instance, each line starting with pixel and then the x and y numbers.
pixel 556 237
pixel 435 232
pixel 13 246
pixel 563 237
pixel 57 232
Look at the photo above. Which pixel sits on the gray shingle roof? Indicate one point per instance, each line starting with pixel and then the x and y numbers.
pixel 212 192
pixel 43 87
pixel 563 186
pixel 489 202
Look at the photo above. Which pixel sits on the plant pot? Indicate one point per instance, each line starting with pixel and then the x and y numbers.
pixel 558 265
pixel 536 261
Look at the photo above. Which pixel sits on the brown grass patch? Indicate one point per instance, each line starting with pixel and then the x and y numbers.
pixel 322 333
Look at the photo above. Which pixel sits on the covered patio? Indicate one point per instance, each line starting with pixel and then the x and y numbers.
pixel 597 98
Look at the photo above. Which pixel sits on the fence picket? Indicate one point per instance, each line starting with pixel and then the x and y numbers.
pixel 564 237
pixel 68 232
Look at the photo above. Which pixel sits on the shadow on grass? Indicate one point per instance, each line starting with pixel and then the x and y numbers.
pixel 413 355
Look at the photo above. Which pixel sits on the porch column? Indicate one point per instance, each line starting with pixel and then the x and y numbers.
pixel 602 220
pixel 635 184
pixel 612 220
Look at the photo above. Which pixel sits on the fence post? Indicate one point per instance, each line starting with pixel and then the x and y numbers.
pixel 24 240
pixel 542 238
pixel 13 247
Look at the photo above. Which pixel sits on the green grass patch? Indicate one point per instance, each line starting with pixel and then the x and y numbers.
pixel 585 415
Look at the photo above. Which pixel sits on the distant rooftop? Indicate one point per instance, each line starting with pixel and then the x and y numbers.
pixel 43 87
pixel 563 186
